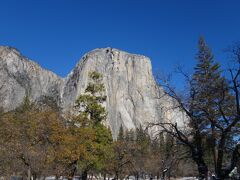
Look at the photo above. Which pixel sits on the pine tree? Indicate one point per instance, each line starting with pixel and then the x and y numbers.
pixel 121 134
pixel 130 136
pixel 205 79
pixel 90 103
pixel 207 82
pixel 91 116
pixel 211 100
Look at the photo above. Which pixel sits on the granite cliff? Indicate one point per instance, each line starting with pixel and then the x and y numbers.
pixel 133 97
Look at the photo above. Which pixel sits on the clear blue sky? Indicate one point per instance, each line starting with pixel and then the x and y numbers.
pixel 56 33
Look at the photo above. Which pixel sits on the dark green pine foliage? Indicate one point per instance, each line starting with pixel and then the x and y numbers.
pixel 206 87
pixel 121 134
pixel 206 67
pixel 91 101
pixel 25 106
pixel 130 136
pixel 210 99
pixel 143 140
pixel 207 81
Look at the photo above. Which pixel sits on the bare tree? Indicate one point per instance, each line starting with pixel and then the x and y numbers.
pixel 212 108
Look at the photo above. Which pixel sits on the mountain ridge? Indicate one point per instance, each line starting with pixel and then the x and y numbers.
pixel 133 96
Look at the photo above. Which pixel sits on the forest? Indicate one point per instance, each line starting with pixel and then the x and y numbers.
pixel 38 140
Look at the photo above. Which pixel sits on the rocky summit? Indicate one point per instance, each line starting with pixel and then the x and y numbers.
pixel 133 96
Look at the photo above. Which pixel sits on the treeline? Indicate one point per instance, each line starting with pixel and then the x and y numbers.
pixel 41 143
pixel 37 142
pixel 143 157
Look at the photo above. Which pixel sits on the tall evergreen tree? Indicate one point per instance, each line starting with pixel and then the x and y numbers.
pixel 206 83
pixel 211 104
pixel 92 114
pixel 206 86
pixel 207 78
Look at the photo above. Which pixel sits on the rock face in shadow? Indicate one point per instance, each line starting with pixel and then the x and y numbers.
pixel 20 77
pixel 133 97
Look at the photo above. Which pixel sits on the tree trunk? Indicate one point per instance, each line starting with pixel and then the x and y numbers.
pixel 219 170
pixel 34 176
pixel 29 174
pixel 214 147
pixel 8 177
pixel 84 175
pixel 235 158
pixel 197 156
pixel 202 170
pixel 202 167
pixel 136 176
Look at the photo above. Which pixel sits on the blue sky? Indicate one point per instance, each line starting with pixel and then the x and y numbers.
pixel 56 33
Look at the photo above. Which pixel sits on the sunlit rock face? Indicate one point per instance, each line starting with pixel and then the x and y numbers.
pixel 133 97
